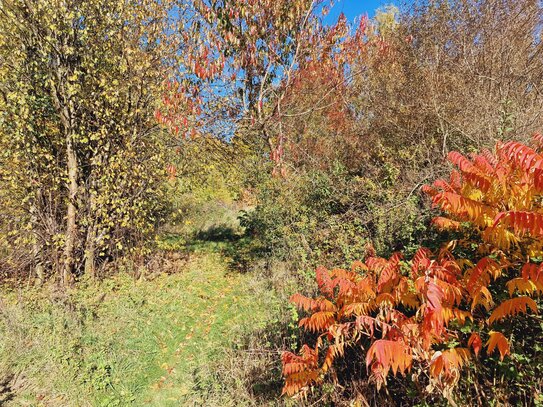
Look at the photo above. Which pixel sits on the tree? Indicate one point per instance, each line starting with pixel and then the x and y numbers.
pixel 83 158
pixel 242 61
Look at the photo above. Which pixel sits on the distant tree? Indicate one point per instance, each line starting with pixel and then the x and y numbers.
pixel 242 61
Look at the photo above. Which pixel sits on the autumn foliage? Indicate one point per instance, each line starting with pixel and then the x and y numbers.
pixel 434 314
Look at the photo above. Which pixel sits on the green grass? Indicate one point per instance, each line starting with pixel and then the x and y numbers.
pixel 168 342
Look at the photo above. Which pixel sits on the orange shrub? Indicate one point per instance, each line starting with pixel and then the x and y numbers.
pixel 408 315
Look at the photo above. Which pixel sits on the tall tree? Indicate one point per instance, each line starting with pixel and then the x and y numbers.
pixel 242 58
pixel 80 82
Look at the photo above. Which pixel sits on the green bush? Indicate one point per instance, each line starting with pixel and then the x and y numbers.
pixel 329 217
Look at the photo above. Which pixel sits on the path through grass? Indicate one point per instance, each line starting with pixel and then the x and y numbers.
pixel 154 343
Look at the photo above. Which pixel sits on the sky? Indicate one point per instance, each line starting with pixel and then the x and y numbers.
pixel 355 8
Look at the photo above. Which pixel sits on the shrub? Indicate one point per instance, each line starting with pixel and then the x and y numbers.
pixel 434 315
pixel 329 216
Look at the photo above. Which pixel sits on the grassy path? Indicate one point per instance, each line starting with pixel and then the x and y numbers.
pixel 158 343
pixel 219 308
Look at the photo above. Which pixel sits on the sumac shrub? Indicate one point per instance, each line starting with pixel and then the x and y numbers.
pixel 443 310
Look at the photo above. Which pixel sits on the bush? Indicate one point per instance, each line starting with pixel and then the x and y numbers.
pixel 329 217
pixel 433 315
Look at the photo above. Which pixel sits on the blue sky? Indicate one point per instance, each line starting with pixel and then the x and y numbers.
pixel 355 8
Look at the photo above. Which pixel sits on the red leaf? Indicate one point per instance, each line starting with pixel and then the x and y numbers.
pixel 475 342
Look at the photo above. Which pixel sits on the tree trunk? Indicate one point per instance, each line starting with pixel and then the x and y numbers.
pixel 90 251
pixel 92 221
pixel 71 213
pixel 37 257
pixel 62 68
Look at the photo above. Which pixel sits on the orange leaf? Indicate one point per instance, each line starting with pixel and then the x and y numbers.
pixel 521 222
pixel 522 285
pixel 498 340
pixel 318 322
pixel 421 261
pixel 512 307
pixel 470 172
pixel 393 355
pixel 303 302
pixel 465 208
pixel 475 342
pixel 523 156
pixel 442 223
pixel 324 281
pixel 479 276
pixel 449 362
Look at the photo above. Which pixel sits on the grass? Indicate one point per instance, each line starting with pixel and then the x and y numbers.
pixel 164 342
pixel 205 331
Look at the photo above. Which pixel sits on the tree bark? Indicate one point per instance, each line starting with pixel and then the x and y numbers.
pixel 61 69
pixel 71 213
pixel 90 241
pixel 37 255
pixel 90 252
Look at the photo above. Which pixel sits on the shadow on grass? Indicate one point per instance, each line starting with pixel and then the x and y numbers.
pixel 218 233
pixel 238 246
pixel 221 239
